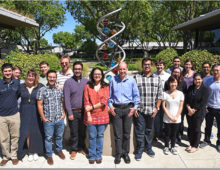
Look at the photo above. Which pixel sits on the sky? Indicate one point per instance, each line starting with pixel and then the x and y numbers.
pixel 68 26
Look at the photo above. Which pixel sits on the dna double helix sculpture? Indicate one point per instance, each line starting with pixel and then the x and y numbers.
pixel 109 53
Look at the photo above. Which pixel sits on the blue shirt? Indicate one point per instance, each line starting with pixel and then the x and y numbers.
pixel 52 102
pixel 123 91
pixel 9 93
pixel 214 93
pixel 206 80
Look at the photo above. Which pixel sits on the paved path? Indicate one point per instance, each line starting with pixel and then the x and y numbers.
pixel 203 158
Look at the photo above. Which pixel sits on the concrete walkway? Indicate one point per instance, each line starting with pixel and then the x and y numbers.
pixel 203 158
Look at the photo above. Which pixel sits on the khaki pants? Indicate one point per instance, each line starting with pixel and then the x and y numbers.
pixel 10 129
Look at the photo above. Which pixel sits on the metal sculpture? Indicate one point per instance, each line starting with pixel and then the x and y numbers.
pixel 109 52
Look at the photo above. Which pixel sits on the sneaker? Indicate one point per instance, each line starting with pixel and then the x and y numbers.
pixel 30 157
pixel 83 152
pixel 150 152
pixel 212 136
pixel 174 151
pixel 138 156
pixel 203 144
pixel 166 151
pixel 35 156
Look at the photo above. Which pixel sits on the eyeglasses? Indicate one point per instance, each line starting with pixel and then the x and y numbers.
pixel 97 74
pixel 146 64
pixel 64 63
pixel 50 77
pixel 79 69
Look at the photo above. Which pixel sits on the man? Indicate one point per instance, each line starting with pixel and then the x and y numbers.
pixel 176 64
pixel 206 68
pixel 16 72
pixel 73 95
pixel 158 122
pixel 65 73
pixel 9 115
pixel 150 88
pixel 51 109
pixel 123 102
pixel 44 67
pixel 213 107
pixel 62 76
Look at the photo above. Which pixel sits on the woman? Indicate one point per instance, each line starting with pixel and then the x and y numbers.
pixel 188 72
pixel 172 105
pixel 96 94
pixel 30 141
pixel 196 99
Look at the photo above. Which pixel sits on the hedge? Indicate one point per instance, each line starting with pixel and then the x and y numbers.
pixel 167 56
pixel 31 61
pixel 200 56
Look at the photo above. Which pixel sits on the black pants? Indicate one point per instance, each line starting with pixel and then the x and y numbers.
pixel 122 130
pixel 170 133
pixel 77 132
pixel 209 122
pixel 194 129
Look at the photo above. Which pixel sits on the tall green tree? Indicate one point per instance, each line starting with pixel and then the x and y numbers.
pixel 133 14
pixel 48 14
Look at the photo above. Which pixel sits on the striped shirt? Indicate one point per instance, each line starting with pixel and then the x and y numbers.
pixel 52 102
pixel 61 77
pixel 150 89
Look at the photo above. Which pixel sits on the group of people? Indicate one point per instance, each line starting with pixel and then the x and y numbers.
pixel 33 112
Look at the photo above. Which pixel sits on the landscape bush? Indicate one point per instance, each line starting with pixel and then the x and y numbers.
pixel 167 56
pixel 200 56
pixel 31 61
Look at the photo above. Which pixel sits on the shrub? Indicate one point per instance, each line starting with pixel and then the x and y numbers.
pixel 200 56
pixel 86 70
pixel 167 56
pixel 31 61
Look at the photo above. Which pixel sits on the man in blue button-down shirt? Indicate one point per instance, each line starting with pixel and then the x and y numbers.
pixel 123 102
pixel 9 115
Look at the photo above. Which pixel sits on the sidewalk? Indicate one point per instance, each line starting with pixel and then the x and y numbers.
pixel 203 158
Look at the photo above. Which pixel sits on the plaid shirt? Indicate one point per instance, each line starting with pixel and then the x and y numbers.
pixel 52 102
pixel 150 89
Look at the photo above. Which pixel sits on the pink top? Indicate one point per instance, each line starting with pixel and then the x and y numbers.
pixel 92 97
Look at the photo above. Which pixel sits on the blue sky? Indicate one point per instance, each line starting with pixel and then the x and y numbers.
pixel 68 26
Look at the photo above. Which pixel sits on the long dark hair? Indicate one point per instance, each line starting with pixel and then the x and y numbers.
pixel 184 70
pixel 91 81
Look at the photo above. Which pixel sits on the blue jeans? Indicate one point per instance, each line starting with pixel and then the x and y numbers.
pixel 96 138
pixel 143 126
pixel 158 123
pixel 49 129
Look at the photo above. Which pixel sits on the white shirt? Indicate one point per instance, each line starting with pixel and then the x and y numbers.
pixel 61 77
pixel 163 76
pixel 172 106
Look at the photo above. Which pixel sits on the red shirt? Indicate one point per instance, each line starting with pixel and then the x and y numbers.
pixel 92 97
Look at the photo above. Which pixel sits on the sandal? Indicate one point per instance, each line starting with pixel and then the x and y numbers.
pixel 188 148
pixel 192 150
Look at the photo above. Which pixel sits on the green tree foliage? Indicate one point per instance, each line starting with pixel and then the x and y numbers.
pixel 65 40
pixel 135 15
pixel 167 56
pixel 200 56
pixel 48 14
pixel 31 61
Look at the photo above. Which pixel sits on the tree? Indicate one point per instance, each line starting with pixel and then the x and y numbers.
pixel 88 12
pixel 48 14
pixel 80 39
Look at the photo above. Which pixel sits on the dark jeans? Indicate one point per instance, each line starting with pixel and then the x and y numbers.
pixel 77 132
pixel 170 133
pixel 158 123
pixel 209 122
pixel 143 126
pixel 194 129
pixel 122 130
